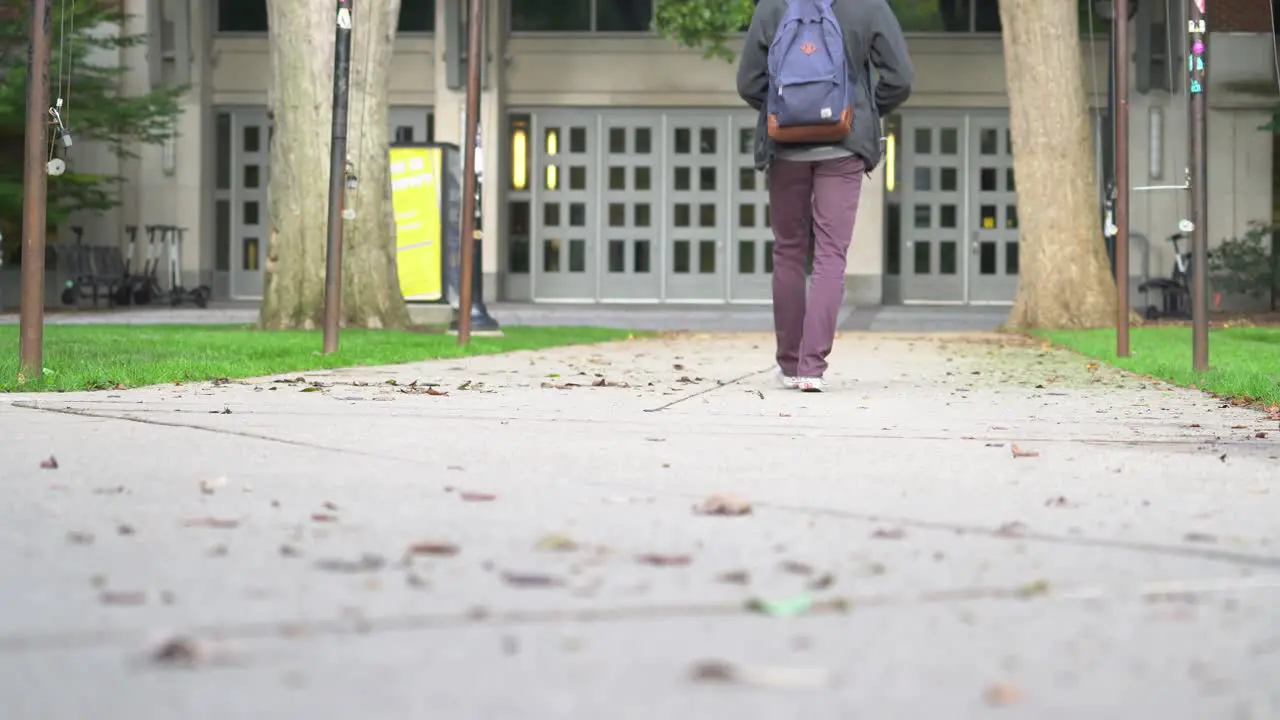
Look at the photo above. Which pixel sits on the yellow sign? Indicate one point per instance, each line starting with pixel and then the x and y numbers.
pixel 415 199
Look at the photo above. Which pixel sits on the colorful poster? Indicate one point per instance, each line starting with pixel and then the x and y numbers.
pixel 415 200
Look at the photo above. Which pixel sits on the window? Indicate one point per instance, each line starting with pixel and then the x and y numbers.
pixel 242 16
pixel 417 16
pixel 250 16
pixel 948 16
pixel 972 16
pixel 581 15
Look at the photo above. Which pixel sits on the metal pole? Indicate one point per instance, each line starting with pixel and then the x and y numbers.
pixel 1120 31
pixel 337 176
pixel 35 195
pixel 1199 162
pixel 475 52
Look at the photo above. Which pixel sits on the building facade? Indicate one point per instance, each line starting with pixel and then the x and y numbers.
pixel 618 168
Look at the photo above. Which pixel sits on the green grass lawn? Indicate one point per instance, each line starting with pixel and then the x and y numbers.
pixel 90 357
pixel 1244 362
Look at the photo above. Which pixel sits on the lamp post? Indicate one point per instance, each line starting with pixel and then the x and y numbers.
pixel 338 176
pixel 35 195
pixel 1199 162
pixel 1120 12
pixel 470 128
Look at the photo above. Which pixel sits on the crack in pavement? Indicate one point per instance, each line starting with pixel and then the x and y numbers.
pixel 706 390
pixel 936 525
pixel 217 431
pixel 1039 591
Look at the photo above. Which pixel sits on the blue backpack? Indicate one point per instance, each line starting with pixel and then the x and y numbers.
pixel 810 93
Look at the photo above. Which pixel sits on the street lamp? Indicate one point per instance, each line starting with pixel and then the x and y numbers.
pixel 1116 160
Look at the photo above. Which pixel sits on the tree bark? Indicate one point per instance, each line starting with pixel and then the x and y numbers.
pixel 1065 277
pixel 302 48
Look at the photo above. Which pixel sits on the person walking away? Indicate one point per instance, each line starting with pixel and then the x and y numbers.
pixel 806 68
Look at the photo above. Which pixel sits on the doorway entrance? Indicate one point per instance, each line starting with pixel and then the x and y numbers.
pixel 644 206
pixel 958 234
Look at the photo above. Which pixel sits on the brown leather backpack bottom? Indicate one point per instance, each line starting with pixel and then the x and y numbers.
pixel 832 133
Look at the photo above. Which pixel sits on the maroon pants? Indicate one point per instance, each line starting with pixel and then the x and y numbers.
pixel 827 190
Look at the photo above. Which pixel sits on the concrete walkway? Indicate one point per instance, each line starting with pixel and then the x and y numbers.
pixel 966 529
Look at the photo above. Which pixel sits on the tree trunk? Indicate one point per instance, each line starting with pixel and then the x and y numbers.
pixel 301 41
pixel 1065 278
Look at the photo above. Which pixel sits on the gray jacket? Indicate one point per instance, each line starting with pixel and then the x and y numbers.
pixel 872 38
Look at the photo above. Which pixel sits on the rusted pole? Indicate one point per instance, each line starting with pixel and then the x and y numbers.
pixel 35 197
pixel 337 176
pixel 1199 162
pixel 470 128
pixel 1120 33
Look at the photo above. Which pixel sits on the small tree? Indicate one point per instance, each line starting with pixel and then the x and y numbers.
pixel 94 109
pixel 1249 265
pixel 301 38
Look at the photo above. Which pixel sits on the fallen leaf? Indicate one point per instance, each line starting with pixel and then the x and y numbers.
pixel 727 505
pixel 122 598
pixel 1013 529
pixel 212 522
pixel 1020 453
pixel 1196 537
pixel 49 463
pixel 889 534
pixel 531 580
pixel 1260 435
pixel 735 577
pixel 781 608
pixel 796 568
pixel 658 560
pixel 477 496
pixel 368 562
pixel 1060 502
pixel 76 537
pixel 324 518
pixel 178 651
pixel 330 506
pixel 1002 694
pixel 556 542
pixel 1239 427
pixel 822 582
pixel 1033 589
pixel 433 548
pixel 760 676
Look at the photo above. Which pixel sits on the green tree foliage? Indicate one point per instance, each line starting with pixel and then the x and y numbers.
pixel 706 24
pixel 94 108
pixel 1249 265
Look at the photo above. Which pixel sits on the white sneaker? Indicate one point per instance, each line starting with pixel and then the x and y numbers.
pixel 810 384
pixel 789 382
